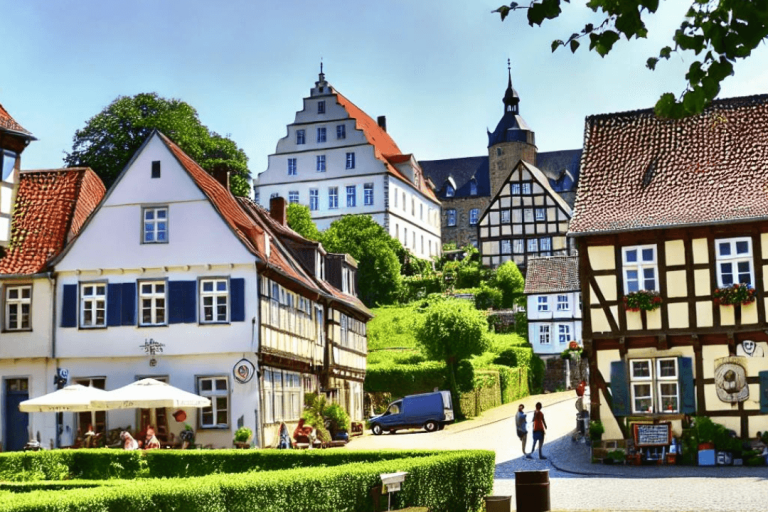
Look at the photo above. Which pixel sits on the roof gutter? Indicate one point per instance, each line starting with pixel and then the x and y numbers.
pixel 668 226
pixel 18 277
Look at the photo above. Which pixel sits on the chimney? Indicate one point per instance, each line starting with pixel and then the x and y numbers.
pixel 222 176
pixel 382 120
pixel 277 210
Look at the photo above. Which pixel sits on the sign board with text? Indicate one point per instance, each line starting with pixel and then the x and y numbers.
pixel 646 434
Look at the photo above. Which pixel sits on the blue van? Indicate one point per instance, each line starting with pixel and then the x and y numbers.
pixel 429 410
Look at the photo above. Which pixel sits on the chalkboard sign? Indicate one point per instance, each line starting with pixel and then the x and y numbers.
pixel 652 435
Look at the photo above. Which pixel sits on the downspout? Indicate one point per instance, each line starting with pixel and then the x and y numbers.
pixel 59 415
pixel 256 338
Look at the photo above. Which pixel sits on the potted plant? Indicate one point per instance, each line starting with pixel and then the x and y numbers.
pixel 740 293
pixel 615 457
pixel 242 437
pixel 642 300
pixel 596 431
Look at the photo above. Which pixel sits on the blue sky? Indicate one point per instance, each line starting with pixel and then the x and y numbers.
pixel 436 69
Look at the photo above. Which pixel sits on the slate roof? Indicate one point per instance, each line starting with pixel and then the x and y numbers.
pixel 552 274
pixel 555 165
pixel 51 208
pixel 511 127
pixel 461 170
pixel 9 124
pixel 642 172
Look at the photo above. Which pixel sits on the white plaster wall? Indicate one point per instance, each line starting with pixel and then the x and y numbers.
pixel 37 342
pixel 39 373
pixel 182 373
pixel 571 317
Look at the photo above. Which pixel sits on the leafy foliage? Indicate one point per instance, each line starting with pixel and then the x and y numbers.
pixel 736 294
pixel 111 137
pixel 488 298
pixel 645 300
pixel 452 330
pixel 510 281
pixel 378 267
pixel 300 220
pixel 392 327
pixel 718 32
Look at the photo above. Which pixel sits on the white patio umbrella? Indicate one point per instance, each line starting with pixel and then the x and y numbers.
pixel 74 398
pixel 148 394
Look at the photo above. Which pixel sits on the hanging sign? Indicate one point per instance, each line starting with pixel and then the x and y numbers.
pixel 243 371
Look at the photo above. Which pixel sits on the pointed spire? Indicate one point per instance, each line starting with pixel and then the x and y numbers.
pixel 322 75
pixel 511 98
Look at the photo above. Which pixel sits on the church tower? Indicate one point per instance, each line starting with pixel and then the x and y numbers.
pixel 511 141
pixel 13 140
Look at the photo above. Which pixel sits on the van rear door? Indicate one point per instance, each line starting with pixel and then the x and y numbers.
pixel 447 405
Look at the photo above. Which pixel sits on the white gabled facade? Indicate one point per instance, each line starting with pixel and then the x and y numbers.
pixel 337 161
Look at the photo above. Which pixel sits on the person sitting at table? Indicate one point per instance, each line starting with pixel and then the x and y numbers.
pixel 129 443
pixel 89 437
pixel 150 440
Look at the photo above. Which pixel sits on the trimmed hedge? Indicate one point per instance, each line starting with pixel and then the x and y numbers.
pixel 513 382
pixel 444 482
pixel 485 395
pixel 91 464
pixel 410 379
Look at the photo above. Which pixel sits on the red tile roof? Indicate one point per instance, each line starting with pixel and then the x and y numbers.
pixel 552 274
pixel 642 172
pixel 8 123
pixel 385 149
pixel 51 208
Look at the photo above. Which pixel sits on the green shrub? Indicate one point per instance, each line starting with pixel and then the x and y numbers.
pixel 243 435
pixel 405 379
pixel 91 464
pixel 488 298
pixel 392 327
pixel 336 419
pixel 395 356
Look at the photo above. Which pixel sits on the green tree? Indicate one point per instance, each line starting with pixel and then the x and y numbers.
pixel 718 32
pixel 111 137
pixel 300 220
pixel 378 268
pixel 511 283
pixel 452 330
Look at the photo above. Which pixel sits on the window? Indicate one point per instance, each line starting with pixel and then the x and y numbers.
pixel 449 191
pixel 473 188
pixel 414 240
pixel 313 199
pixel 563 304
pixel 321 134
pixel 293 196
pixel 291 167
pixel 333 197
pixel 413 207
pixel 421 211
pixel 217 390
pixel 499 152
pixel 734 261
pixel 214 301
pixel 368 194
pixel 98 419
pixel 517 246
pixel 544 334
pixel 256 196
pixel 300 136
pixel 506 247
pixel 155 225
pixel 274 195
pixel 341 131
pixel 321 107
pixel 7 165
pixel 528 215
pixel 505 216
pixel 405 236
pixel 350 160
pixel 545 246
pixel 563 332
pixel 93 305
pixel 639 264
pixel 156 169
pixel 451 213
pixel 474 213
pixel 351 196
pixel 543 303
pixel 541 214
pixel 152 303
pixel 320 163
pixel 292 393
pixel 654 385
pixel 533 245
pixel 526 188
pixel 515 189
pixel 404 206
pixel 18 302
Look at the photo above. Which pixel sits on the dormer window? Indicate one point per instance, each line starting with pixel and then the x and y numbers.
pixel 449 191
pixel 473 188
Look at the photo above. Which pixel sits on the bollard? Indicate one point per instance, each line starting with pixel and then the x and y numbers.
pixel 532 491
pixel 498 504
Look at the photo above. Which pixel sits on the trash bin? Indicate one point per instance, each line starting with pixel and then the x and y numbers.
pixel 532 491
pixel 498 503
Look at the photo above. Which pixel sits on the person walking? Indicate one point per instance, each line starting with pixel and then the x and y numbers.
pixel 522 429
pixel 539 426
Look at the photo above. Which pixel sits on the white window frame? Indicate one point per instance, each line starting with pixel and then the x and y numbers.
pixel 545 245
pixel 153 296
pixel 540 213
pixel 292 167
pixel 515 189
pixel 351 196
pixel 93 302
pixel 292 395
pixel 301 137
pixel 474 215
pixel 639 266
pixel 341 131
pixel 214 296
pixel 368 194
pixel 320 163
pixel 333 198
pixel 322 134
pixel 451 216
pixel 505 216
pixel 152 225
pixel 214 394
pixel 734 259
pixel 350 159
pixel 542 303
pixel 18 304
pixel 506 247
pixel 563 302
pixel 545 336
pixel 533 245
pixel 314 199
pixel 526 189
pixel 655 382
pixel 518 246
pixel 563 333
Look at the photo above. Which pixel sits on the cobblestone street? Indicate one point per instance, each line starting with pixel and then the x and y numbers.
pixel 575 483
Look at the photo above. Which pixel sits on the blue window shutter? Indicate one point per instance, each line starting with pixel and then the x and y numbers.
pixel 687 385
pixel 237 293
pixel 128 306
pixel 182 302
pixel 763 392
pixel 69 306
pixel 114 304
pixel 620 388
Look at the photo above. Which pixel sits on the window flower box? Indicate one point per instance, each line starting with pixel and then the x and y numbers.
pixel 642 300
pixel 736 294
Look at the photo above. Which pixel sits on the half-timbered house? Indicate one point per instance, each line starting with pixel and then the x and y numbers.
pixel 671 224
